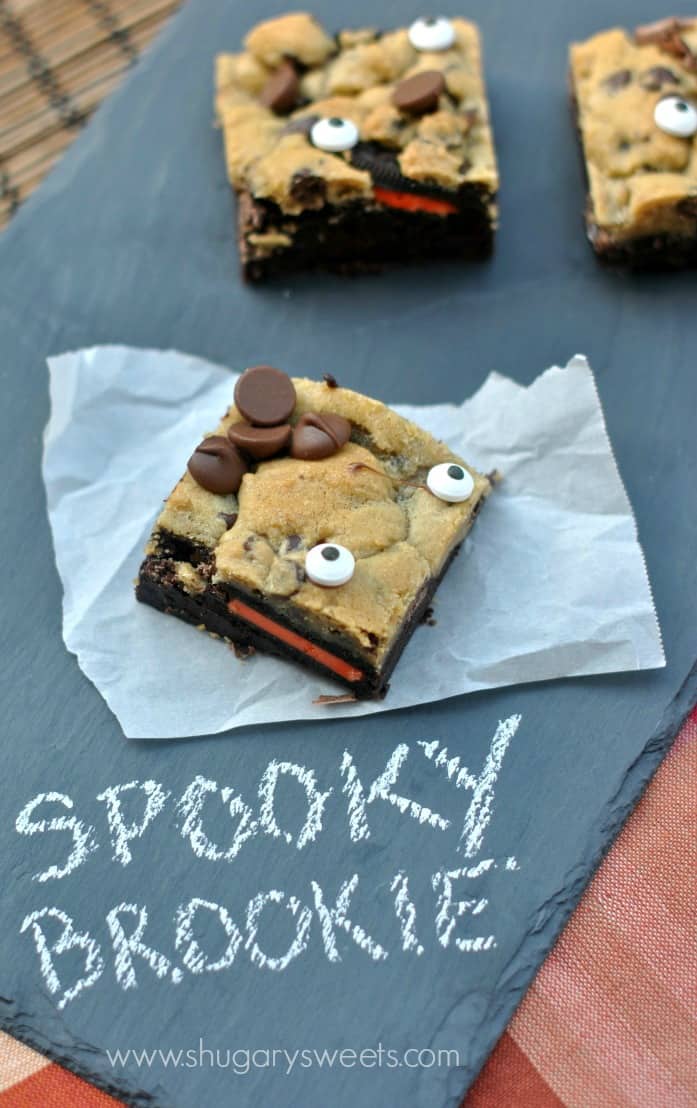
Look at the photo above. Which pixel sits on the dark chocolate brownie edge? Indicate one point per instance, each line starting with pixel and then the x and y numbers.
pixel 649 252
pixel 356 238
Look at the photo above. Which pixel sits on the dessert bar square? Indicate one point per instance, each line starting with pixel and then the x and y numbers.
pixel 635 100
pixel 313 523
pixel 354 150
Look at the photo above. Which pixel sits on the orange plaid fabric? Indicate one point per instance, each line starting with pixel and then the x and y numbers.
pixel 611 1018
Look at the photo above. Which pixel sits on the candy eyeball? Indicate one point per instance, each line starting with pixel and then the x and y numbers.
pixel 676 116
pixel 432 33
pixel 451 482
pixel 334 134
pixel 329 564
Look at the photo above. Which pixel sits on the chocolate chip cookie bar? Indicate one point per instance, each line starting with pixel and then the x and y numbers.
pixel 355 150
pixel 313 523
pixel 635 100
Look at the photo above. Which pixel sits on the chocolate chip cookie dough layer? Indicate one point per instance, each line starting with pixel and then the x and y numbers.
pixel 328 553
pixel 635 102
pixel 355 150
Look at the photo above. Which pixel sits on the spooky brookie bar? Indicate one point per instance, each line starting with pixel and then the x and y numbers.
pixel 355 150
pixel 314 523
pixel 635 100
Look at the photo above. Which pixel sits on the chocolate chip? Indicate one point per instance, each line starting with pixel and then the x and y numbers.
pixel 319 436
pixel 308 189
pixel 249 542
pixel 217 466
pixel 293 542
pixel 660 30
pixel 419 94
pixel 658 76
pixel 330 380
pixel 666 34
pixel 281 91
pixel 259 442
pixel 265 396
pixel 615 81
pixel 301 126
pixel 688 206
pixel 229 517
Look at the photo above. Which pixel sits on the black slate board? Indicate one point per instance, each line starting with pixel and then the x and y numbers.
pixel 131 240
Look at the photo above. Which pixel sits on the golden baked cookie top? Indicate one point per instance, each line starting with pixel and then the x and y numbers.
pixel 369 497
pixel 636 97
pixel 292 76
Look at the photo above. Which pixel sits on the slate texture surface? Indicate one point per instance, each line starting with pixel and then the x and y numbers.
pixel 131 240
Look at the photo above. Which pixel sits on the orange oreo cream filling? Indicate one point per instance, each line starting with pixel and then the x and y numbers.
pixel 330 661
pixel 411 202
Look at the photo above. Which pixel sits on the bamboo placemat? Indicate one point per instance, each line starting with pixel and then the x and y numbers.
pixel 58 60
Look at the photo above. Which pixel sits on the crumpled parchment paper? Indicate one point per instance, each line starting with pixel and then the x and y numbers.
pixel 551 582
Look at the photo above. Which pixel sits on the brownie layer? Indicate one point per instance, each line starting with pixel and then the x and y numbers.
pixel 159 587
pixel 657 252
pixel 356 237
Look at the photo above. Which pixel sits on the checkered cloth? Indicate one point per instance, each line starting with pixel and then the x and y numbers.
pixel 58 60
pixel 611 1018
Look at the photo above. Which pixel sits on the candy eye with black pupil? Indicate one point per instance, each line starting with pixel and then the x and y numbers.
pixel 450 482
pixel 334 134
pixel 432 33
pixel 676 116
pixel 329 564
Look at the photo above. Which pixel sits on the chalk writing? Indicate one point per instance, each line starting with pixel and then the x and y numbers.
pixel 482 786
pixel 190 807
pixel 315 802
pixel 331 918
pixel 332 921
pixel 382 789
pixel 83 837
pixel 123 833
pixel 69 939
pixel 126 947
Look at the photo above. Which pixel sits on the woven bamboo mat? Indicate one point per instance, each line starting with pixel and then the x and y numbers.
pixel 58 60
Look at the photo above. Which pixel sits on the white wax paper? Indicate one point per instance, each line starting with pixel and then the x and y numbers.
pixel 551 582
